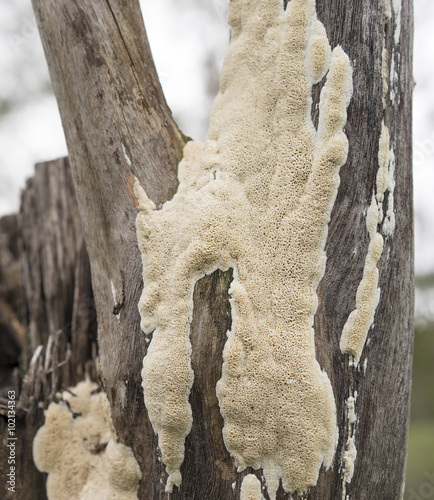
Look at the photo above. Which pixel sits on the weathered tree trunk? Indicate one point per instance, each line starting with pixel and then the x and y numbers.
pixel 118 127
pixel 56 273
pixel 56 309
pixel 383 389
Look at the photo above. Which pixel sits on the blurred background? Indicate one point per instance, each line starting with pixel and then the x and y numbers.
pixel 188 40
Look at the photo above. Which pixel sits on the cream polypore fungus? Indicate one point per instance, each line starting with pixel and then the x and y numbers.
pixel 251 488
pixel 257 197
pixel 77 449
pixel 360 320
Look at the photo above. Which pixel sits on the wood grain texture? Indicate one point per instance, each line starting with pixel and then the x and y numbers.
pixel 57 314
pixel 58 299
pixel 384 390
pixel 118 126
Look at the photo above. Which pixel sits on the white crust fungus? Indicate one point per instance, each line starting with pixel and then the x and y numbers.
pixel 351 409
pixel 386 182
pixel 350 453
pixel 360 320
pixel 349 459
pixel 77 448
pixel 257 197
pixel 251 488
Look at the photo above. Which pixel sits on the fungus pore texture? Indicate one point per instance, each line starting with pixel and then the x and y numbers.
pixel 251 488
pixel 78 449
pixel 257 197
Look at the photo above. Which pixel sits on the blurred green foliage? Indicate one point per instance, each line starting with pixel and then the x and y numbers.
pixel 420 461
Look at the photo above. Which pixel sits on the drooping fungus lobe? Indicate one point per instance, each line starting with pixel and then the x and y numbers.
pixel 77 447
pixel 257 197
pixel 251 488
pixel 360 320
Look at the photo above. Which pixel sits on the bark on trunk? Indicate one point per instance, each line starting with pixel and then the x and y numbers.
pixel 56 309
pixel 56 273
pixel 383 389
pixel 11 330
pixel 118 127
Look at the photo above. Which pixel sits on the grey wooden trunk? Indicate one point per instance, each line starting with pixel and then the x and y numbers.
pixel 118 126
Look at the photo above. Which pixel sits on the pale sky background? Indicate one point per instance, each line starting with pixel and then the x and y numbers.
pixel 186 36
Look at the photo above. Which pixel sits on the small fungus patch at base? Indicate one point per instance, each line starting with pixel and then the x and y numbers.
pixel 77 448
pixel 256 197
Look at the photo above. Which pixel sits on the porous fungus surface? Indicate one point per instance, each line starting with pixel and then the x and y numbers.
pixel 360 320
pixel 251 488
pixel 350 453
pixel 257 197
pixel 78 450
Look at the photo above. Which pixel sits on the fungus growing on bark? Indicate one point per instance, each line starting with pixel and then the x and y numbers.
pixel 78 449
pixel 360 320
pixel 257 197
pixel 251 488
